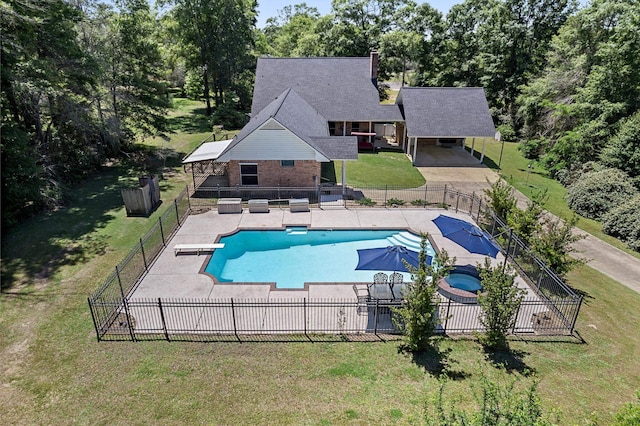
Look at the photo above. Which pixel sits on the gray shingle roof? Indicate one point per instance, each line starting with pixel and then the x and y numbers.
pixel 337 147
pixel 300 118
pixel 446 112
pixel 338 88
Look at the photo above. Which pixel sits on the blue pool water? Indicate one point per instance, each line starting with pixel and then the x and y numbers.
pixel 294 256
pixel 464 282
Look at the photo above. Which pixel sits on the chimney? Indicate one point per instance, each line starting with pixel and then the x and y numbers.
pixel 373 68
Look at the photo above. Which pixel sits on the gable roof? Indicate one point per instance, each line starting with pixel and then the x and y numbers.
pixel 446 112
pixel 297 116
pixel 340 89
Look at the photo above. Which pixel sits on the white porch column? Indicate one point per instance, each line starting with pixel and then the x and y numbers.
pixel 415 150
pixel 404 138
pixel 473 144
pixel 344 128
pixel 371 138
pixel 344 177
pixel 484 140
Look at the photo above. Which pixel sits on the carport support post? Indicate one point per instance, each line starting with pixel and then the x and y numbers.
pixel 484 141
pixel 473 144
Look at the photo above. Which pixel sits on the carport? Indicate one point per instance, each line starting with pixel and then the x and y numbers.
pixel 443 118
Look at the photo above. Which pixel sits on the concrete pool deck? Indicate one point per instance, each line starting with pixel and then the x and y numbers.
pixel 179 276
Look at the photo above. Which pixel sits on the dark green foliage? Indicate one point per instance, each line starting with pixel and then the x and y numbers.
pixel 623 222
pixel 532 148
pixel 623 151
pixel 526 222
pixel 595 193
pixel 495 404
pixel 417 318
pixel 228 114
pixel 500 301
pixel 500 198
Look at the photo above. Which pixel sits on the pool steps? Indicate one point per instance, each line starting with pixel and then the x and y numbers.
pixel 407 239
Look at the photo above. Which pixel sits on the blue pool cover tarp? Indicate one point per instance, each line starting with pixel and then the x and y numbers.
pixel 467 235
pixel 388 259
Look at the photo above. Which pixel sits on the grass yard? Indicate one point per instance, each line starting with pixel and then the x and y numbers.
pixel 54 371
pixel 514 168
pixel 380 169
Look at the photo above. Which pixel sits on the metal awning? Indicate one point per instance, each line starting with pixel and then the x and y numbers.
pixel 207 151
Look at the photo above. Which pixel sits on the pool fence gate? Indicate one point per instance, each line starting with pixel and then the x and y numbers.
pixel 117 316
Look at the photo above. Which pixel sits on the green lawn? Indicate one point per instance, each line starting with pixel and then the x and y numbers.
pixel 54 371
pixel 380 169
pixel 515 169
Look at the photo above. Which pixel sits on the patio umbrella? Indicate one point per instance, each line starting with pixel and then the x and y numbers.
pixel 467 235
pixel 388 259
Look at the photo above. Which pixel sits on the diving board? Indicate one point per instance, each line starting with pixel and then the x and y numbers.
pixel 196 248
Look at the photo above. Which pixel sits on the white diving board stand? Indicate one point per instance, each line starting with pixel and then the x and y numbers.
pixel 195 248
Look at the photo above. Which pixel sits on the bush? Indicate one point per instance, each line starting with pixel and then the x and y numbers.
pixel 500 198
pixel 364 201
pixel 500 301
pixel 532 148
pixel 624 222
pixel 594 194
pixel 228 114
pixel 507 134
pixel 395 202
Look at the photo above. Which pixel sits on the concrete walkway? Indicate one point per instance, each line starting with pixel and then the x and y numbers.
pixel 473 176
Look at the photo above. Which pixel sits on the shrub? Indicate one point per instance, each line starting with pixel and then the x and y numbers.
pixel 507 133
pixel 532 148
pixel 553 242
pixel 417 317
pixel 624 222
pixel 500 301
pixel 364 201
pixel 596 193
pixel 395 202
pixel 623 150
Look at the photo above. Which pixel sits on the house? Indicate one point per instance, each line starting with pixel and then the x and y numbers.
pixel 310 111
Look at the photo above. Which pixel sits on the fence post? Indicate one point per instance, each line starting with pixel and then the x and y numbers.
pixel 129 325
pixel 506 257
pixel 144 257
pixel 175 204
pixel 93 317
pixel 444 196
pixel 479 210
pixel 426 194
pixel 375 327
pixel 386 189
pixel 446 318
pixel 164 323
pixel 575 315
pixel 304 304
pixel 473 198
pixel 457 202
pixel 233 315
pixel 188 198
pixel 161 231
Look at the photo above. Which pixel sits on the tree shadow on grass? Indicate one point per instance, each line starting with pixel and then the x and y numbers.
pixel 511 360
pixel 196 121
pixel 34 251
pixel 436 361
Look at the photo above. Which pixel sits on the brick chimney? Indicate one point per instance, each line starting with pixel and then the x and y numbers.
pixel 373 68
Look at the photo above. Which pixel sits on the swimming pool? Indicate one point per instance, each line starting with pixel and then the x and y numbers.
pixel 297 255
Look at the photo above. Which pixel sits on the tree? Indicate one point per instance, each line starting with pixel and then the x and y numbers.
pixel 500 301
pixel 500 198
pixel 526 222
pixel 553 244
pixel 218 36
pixel 418 318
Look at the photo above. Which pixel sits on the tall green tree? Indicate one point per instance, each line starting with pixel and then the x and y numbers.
pixel 219 37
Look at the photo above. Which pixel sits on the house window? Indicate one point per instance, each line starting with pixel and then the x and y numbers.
pixel 287 163
pixel 332 128
pixel 249 174
pixel 355 127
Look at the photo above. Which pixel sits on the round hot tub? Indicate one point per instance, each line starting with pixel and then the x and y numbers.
pixel 462 284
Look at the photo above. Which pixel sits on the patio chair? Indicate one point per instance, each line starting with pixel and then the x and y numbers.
pixel 362 297
pixel 396 278
pixel 380 278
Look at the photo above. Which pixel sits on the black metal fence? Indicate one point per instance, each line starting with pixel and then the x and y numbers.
pixel 117 317
pixel 297 319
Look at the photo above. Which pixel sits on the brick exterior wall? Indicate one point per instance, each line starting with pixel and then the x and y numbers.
pixel 271 173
